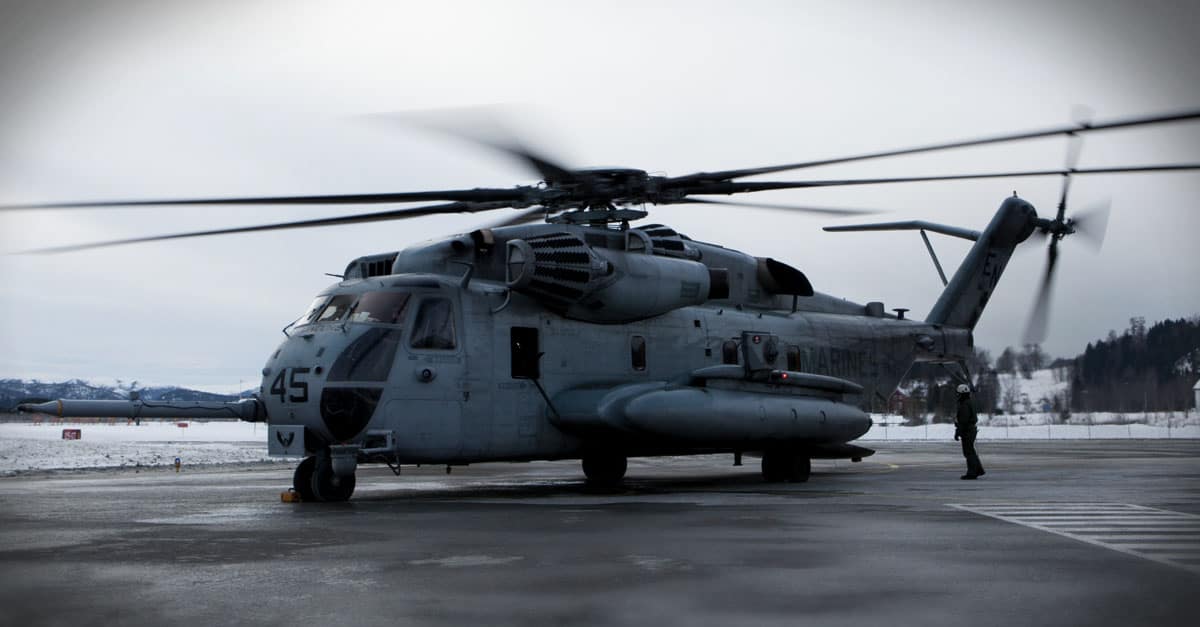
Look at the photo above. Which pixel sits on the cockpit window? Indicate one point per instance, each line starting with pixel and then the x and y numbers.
pixel 335 309
pixel 312 310
pixel 435 325
pixel 385 307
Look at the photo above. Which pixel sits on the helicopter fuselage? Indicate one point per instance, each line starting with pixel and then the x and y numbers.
pixel 454 375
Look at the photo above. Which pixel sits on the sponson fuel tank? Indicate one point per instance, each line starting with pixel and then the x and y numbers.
pixel 706 415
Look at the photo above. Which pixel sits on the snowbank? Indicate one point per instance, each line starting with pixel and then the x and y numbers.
pixel 27 446
pixel 39 446
pixel 1036 393
pixel 121 430
pixel 1046 426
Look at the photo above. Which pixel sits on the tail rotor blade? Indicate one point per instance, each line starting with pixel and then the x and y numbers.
pixel 1082 116
pixel 1074 147
pixel 1091 224
pixel 1035 329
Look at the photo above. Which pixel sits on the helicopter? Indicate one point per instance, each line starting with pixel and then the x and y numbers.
pixel 566 331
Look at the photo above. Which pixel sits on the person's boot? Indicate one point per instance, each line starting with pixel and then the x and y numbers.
pixel 968 476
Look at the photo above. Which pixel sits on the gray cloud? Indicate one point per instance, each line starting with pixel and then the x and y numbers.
pixel 114 100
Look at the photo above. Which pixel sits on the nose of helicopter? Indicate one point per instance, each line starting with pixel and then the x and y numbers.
pixel 328 380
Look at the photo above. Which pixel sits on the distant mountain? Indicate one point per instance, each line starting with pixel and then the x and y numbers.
pixel 14 391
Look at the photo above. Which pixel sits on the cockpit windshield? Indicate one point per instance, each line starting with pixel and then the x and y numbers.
pixel 334 309
pixel 383 307
pixel 312 310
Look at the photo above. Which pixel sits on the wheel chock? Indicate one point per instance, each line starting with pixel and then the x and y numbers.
pixel 291 496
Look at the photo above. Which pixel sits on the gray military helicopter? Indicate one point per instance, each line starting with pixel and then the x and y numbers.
pixel 588 337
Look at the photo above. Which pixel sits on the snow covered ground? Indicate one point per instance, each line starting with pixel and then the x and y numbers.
pixel 1037 393
pixel 30 446
pixel 943 431
pixel 1049 426
pixel 27 446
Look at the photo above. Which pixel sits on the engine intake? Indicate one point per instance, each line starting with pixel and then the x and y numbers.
pixel 564 273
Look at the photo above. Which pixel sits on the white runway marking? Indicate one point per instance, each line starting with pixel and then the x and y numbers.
pixel 1159 535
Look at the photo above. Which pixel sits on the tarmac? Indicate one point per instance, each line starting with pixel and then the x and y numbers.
pixel 1056 533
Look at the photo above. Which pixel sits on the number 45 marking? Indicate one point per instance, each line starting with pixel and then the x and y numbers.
pixel 278 387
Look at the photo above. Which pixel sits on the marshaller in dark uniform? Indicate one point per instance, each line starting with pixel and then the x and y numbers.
pixel 965 429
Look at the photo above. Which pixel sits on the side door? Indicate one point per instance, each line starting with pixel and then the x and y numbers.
pixel 517 415
pixel 433 376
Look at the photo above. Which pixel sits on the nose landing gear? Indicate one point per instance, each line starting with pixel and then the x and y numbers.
pixel 302 479
pixel 315 480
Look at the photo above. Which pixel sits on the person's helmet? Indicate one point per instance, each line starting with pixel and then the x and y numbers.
pixel 963 388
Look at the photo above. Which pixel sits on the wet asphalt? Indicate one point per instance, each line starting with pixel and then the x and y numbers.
pixel 690 541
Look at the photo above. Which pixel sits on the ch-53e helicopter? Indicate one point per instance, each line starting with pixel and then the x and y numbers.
pixel 587 337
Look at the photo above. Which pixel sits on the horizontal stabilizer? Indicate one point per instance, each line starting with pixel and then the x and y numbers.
pixel 909 225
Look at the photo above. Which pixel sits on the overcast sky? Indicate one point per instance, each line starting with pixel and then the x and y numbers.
pixel 103 100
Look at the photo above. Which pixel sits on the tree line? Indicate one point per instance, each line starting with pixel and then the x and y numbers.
pixel 1141 369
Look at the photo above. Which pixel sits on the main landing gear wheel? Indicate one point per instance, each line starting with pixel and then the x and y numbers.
pixel 604 470
pixel 302 479
pixel 328 486
pixel 785 466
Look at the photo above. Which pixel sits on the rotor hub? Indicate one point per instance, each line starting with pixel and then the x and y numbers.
pixel 1057 228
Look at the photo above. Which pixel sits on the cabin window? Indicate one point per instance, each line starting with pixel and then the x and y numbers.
pixel 434 327
pixel 793 358
pixel 385 307
pixel 637 352
pixel 729 352
pixel 523 346
pixel 335 308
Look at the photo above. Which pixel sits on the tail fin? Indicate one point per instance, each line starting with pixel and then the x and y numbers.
pixel 965 296
pixel 963 300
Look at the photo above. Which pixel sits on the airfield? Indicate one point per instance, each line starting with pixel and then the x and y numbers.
pixel 1075 532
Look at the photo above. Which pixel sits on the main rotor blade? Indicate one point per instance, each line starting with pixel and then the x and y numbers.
pixel 829 211
pixel 524 216
pixel 1039 317
pixel 550 171
pixel 395 214
pixel 738 187
pixel 478 195
pixel 454 123
pixel 995 139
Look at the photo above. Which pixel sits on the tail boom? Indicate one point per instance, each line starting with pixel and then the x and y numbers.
pixel 963 301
